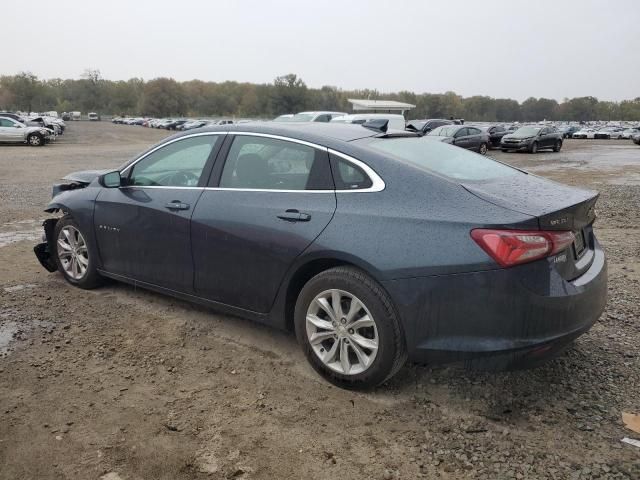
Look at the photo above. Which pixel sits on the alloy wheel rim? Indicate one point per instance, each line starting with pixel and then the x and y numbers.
pixel 35 140
pixel 342 332
pixel 73 252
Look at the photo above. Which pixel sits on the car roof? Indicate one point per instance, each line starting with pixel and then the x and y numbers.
pixel 322 133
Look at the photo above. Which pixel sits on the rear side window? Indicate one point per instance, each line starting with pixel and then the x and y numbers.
pixel 348 176
pixel 446 160
pixel 265 163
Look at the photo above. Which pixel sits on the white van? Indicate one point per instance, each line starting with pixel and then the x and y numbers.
pixel 396 121
pixel 93 117
pixel 76 115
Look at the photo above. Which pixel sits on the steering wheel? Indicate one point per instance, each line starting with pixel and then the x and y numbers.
pixel 181 179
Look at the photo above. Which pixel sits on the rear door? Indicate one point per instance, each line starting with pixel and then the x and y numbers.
pixel 461 138
pixel 475 138
pixel 267 202
pixel 143 228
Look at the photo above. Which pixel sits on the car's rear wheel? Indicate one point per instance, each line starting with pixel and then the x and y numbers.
pixel 534 147
pixel 557 146
pixel 75 255
pixel 35 140
pixel 483 149
pixel 348 328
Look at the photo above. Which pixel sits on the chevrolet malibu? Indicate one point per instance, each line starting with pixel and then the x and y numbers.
pixel 373 246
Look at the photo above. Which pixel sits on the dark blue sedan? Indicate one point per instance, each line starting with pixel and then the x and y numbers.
pixel 373 246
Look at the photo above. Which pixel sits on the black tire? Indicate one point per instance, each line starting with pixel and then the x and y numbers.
pixel 392 351
pixel 482 150
pixel 504 150
pixel 91 278
pixel 35 140
pixel 533 148
pixel 557 146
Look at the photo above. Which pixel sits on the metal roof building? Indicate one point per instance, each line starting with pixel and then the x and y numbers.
pixel 380 106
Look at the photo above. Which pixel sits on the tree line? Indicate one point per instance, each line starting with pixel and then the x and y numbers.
pixel 163 97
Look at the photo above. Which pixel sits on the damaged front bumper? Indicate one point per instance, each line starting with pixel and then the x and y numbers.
pixel 44 250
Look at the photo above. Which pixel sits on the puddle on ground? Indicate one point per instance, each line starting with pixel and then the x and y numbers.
pixel 20 230
pixel 17 288
pixel 8 331
pixel 13 326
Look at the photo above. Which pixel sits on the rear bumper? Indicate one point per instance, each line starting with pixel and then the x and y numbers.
pixel 504 318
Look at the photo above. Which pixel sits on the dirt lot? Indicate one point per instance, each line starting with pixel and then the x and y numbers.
pixel 123 383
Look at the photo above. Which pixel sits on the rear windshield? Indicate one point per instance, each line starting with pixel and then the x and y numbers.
pixel 444 131
pixel 447 160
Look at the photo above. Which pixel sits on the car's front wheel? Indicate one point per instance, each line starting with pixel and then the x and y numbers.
pixel 348 328
pixel 35 140
pixel 75 255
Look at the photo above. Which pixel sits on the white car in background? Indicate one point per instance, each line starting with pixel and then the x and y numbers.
pixel 396 121
pixel 284 118
pixel 584 133
pixel 315 116
pixel 627 133
pixel 608 132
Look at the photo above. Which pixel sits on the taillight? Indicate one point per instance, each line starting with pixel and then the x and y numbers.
pixel 513 247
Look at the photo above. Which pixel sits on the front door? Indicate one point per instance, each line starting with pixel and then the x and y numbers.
pixel 143 228
pixel 273 198
pixel 9 131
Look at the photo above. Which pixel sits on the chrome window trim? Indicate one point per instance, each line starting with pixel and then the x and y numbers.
pixel 377 183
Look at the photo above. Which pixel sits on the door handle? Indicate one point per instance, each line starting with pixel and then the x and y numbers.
pixel 176 205
pixel 293 215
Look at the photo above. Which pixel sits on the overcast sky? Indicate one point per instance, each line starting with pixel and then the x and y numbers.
pixel 512 49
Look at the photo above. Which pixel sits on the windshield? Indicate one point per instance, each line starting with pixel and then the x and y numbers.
pixel 444 131
pixel 527 131
pixel 447 160
pixel 301 117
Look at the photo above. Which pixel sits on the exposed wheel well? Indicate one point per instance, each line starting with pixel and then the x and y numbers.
pixel 300 278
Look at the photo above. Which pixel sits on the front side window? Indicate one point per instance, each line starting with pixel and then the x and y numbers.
pixel 6 123
pixel 265 163
pixel 178 164
pixel 323 118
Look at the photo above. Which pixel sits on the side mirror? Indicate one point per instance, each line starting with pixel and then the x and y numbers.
pixel 110 180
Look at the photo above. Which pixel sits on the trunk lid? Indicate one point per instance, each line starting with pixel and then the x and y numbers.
pixel 555 206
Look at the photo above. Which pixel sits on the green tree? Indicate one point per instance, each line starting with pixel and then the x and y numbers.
pixel 163 97
pixel 290 94
pixel 25 88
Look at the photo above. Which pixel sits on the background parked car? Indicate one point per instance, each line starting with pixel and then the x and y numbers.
pixel 13 131
pixel 425 126
pixel 93 117
pixel 532 138
pixel 495 132
pixel 469 137
pixel 284 118
pixel 315 116
pixel 636 138
pixel 567 131
pixel 396 121
pixel 584 133
pixel 609 132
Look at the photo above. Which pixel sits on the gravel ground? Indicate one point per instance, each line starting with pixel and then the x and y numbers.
pixel 119 383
